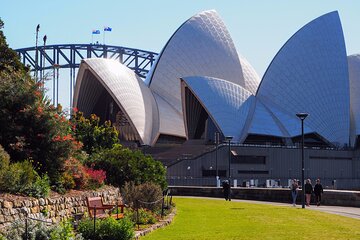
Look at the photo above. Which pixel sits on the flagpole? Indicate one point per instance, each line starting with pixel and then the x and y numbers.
pixel 104 37
pixel 36 53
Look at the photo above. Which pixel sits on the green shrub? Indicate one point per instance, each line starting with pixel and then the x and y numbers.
pixel 141 216
pixel 67 180
pixel 17 177
pixel 40 188
pixel 4 157
pixel 21 178
pixel 91 133
pixel 64 231
pixel 4 166
pixel 124 165
pixel 147 195
pixel 107 229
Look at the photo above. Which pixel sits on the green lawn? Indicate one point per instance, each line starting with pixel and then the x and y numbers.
pixel 216 219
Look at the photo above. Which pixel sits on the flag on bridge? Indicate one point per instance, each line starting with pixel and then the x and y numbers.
pixel 95 31
pixel 107 29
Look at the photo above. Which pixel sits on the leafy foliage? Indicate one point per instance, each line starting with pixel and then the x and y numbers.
pixel 78 176
pixel 40 231
pixel 36 230
pixel 96 178
pixel 9 60
pixel 40 188
pixel 124 165
pixel 64 231
pixel 107 229
pixel 141 216
pixel 31 128
pixel 146 195
pixel 91 133
pixel 22 178
pixel 4 158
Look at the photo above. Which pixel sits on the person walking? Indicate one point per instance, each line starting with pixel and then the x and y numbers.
pixel 226 190
pixel 308 192
pixel 294 186
pixel 318 190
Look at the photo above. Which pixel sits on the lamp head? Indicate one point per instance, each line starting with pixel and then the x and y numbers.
pixel 302 116
pixel 228 138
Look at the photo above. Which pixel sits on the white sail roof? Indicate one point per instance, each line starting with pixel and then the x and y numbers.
pixel 228 104
pixel 128 91
pixel 171 121
pixel 310 74
pixel 201 46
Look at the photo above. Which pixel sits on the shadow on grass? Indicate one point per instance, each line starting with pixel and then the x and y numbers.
pixel 237 208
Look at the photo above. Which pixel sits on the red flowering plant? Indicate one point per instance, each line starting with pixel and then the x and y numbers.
pixel 96 178
pixel 75 174
pixel 78 176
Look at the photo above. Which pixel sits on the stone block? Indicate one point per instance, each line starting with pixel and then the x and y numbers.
pixel 27 203
pixel 17 203
pixel 5 211
pixel 13 211
pixel 25 210
pixel 35 209
pixel 9 218
pixel 35 202
pixel 8 204
pixel 42 202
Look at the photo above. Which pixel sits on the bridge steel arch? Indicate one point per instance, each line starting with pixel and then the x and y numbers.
pixel 42 59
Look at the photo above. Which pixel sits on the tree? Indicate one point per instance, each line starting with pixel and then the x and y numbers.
pixel 9 60
pixel 31 128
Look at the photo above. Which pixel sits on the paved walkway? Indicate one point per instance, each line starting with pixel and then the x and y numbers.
pixel 352 212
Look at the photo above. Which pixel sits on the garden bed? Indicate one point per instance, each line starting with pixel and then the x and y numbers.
pixel 162 223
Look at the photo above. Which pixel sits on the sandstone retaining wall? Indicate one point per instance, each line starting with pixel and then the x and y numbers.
pixel 52 209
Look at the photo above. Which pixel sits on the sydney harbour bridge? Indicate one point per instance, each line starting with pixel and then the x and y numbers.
pixel 47 61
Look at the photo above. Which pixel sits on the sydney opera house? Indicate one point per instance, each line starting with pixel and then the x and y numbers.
pixel 200 87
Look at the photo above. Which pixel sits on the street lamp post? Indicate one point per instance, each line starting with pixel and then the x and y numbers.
pixel 217 138
pixel 302 117
pixel 229 138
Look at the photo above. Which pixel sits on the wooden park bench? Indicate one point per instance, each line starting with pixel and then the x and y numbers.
pixel 98 209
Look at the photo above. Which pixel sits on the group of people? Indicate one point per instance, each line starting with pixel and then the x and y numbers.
pixel 317 190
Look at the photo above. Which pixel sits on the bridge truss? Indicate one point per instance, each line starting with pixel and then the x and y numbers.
pixel 46 61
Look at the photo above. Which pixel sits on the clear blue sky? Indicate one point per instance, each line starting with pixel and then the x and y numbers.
pixel 258 27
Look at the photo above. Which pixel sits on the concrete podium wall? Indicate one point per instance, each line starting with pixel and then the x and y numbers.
pixel 330 197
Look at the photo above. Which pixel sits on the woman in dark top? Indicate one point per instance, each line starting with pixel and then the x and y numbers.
pixel 318 190
pixel 308 191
